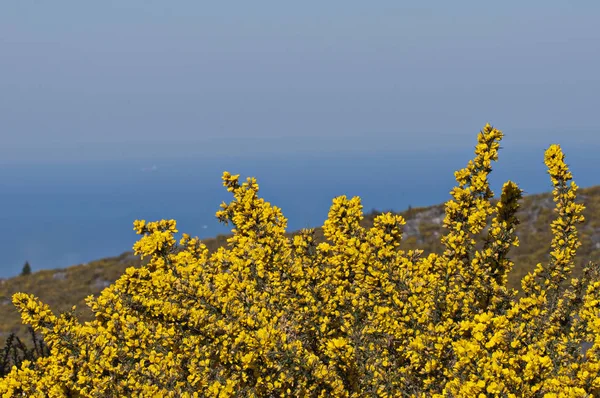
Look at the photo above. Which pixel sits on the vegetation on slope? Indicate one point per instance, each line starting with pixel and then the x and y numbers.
pixel 63 288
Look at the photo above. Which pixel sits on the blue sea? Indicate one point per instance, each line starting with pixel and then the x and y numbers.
pixel 60 214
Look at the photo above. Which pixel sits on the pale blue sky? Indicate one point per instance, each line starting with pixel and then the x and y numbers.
pixel 133 79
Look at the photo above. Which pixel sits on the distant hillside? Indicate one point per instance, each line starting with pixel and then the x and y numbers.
pixel 63 288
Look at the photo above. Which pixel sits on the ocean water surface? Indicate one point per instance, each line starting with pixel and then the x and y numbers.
pixel 62 214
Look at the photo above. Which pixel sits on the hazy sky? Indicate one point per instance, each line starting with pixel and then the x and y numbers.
pixel 115 79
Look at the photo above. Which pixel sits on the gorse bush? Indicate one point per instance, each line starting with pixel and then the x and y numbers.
pixel 15 352
pixel 355 316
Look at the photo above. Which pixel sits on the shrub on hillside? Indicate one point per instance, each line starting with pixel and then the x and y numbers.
pixel 355 316
pixel 26 269
pixel 15 351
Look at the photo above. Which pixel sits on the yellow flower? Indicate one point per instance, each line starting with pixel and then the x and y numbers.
pixel 346 314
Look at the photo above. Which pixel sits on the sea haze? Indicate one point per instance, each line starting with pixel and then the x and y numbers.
pixel 57 215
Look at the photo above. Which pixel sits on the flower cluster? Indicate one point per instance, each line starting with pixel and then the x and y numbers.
pixel 353 316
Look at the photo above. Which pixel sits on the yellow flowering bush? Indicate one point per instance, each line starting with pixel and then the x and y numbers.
pixel 354 316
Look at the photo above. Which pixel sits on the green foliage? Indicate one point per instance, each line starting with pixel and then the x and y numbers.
pixel 26 269
pixel 15 351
